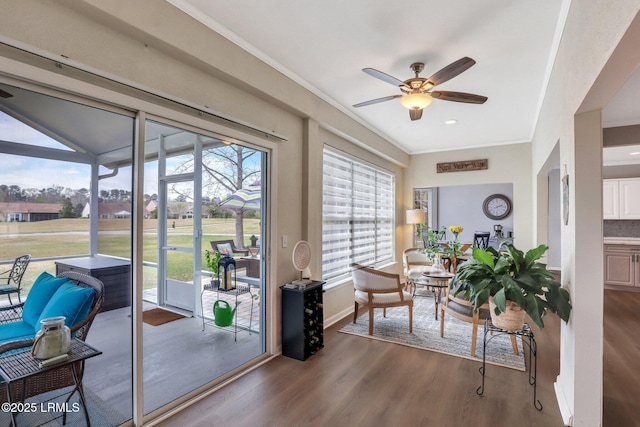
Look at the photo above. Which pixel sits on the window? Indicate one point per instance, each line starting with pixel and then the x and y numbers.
pixel 357 215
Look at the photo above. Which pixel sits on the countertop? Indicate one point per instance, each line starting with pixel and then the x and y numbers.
pixel 622 240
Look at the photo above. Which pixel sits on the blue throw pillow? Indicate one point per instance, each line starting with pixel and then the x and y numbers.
pixel 71 301
pixel 41 292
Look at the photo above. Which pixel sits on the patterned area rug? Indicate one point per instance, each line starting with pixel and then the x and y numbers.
pixel 426 334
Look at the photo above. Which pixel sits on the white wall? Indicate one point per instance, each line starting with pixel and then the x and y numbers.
pixel 585 77
pixel 462 205
pixel 554 237
pixel 508 164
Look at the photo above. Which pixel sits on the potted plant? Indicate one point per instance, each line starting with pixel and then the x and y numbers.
pixel 511 280
pixel 211 260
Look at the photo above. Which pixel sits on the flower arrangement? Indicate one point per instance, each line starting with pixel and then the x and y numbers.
pixel 456 229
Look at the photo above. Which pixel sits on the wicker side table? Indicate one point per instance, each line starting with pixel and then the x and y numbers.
pixel 20 366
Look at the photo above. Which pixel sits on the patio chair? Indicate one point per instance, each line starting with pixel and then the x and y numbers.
pixel 62 377
pixel 228 247
pixel 11 280
pixel 377 289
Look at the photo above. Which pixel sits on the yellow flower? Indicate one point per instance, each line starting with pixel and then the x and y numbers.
pixel 456 229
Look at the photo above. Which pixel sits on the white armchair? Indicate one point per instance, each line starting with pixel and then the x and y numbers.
pixel 377 289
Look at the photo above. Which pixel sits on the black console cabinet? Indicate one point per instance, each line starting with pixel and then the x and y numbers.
pixel 113 272
pixel 302 321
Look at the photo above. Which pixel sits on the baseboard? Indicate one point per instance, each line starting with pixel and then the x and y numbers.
pixel 337 317
pixel 565 410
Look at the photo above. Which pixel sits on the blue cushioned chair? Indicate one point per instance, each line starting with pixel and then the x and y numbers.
pixel 77 296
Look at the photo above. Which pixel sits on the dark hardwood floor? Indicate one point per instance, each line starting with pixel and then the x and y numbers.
pixel 621 405
pixel 361 382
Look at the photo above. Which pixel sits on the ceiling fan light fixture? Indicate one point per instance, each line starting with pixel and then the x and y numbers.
pixel 416 101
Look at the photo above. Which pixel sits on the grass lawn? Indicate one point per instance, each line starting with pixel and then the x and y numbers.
pixel 70 237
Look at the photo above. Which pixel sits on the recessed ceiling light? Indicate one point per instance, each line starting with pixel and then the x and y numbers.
pixel 635 153
pixel 450 122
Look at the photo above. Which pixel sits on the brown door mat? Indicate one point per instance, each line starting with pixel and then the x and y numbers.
pixel 158 316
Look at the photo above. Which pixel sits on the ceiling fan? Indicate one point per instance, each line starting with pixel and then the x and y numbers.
pixel 417 93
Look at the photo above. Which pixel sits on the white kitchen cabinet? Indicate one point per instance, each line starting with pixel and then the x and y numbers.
pixel 611 205
pixel 621 198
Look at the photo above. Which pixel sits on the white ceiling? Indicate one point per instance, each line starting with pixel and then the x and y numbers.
pixel 325 44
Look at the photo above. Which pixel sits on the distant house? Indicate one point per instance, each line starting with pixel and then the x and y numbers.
pixel 189 213
pixel 28 212
pixel 110 210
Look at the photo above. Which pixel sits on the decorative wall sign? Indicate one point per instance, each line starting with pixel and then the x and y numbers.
pixel 463 166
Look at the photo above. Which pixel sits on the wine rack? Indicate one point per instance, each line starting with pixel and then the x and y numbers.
pixel 302 321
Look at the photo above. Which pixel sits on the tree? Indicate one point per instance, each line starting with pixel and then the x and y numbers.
pixel 229 169
pixel 67 209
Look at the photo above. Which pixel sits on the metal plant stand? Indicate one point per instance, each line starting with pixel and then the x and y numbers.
pixel 240 289
pixel 527 338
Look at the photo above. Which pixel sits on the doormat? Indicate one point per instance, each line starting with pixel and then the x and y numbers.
pixel 158 316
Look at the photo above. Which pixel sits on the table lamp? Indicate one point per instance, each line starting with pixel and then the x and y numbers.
pixel 415 217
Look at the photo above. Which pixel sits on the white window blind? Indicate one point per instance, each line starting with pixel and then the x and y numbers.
pixel 357 215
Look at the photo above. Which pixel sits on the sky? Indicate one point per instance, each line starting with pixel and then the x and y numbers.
pixel 31 172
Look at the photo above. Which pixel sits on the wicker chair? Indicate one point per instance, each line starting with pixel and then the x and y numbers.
pixel 463 309
pixel 55 378
pixel 377 289
pixel 11 280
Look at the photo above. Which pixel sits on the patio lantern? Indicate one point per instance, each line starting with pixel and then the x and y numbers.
pixel 228 270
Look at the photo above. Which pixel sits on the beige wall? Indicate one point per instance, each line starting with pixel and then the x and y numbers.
pixel 507 164
pixel 578 84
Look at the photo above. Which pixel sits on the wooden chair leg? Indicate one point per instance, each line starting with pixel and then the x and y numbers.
pixel 370 320
pixel 411 319
pixel 355 311
pixel 441 322
pixel 514 344
pixel 384 312
pixel 474 333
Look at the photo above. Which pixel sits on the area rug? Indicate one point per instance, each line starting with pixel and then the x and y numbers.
pixel 158 316
pixel 426 334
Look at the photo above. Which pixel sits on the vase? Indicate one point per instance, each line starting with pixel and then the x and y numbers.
pixel 510 320
pixel 437 267
pixel 53 339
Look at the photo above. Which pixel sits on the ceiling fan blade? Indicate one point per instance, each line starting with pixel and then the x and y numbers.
pixel 383 76
pixel 468 98
pixel 415 114
pixel 4 94
pixel 451 70
pixel 377 100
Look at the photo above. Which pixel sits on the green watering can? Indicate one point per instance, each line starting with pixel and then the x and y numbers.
pixel 222 313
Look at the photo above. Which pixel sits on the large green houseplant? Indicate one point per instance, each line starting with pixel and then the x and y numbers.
pixel 512 276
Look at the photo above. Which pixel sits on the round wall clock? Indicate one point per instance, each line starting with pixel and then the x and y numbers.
pixel 496 206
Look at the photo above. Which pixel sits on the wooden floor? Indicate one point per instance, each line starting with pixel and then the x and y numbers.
pixel 361 382
pixel 621 359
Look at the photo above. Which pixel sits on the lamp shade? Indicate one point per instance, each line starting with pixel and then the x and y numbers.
pixel 414 216
pixel 416 101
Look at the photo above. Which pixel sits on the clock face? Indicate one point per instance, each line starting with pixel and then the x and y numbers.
pixel 497 206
